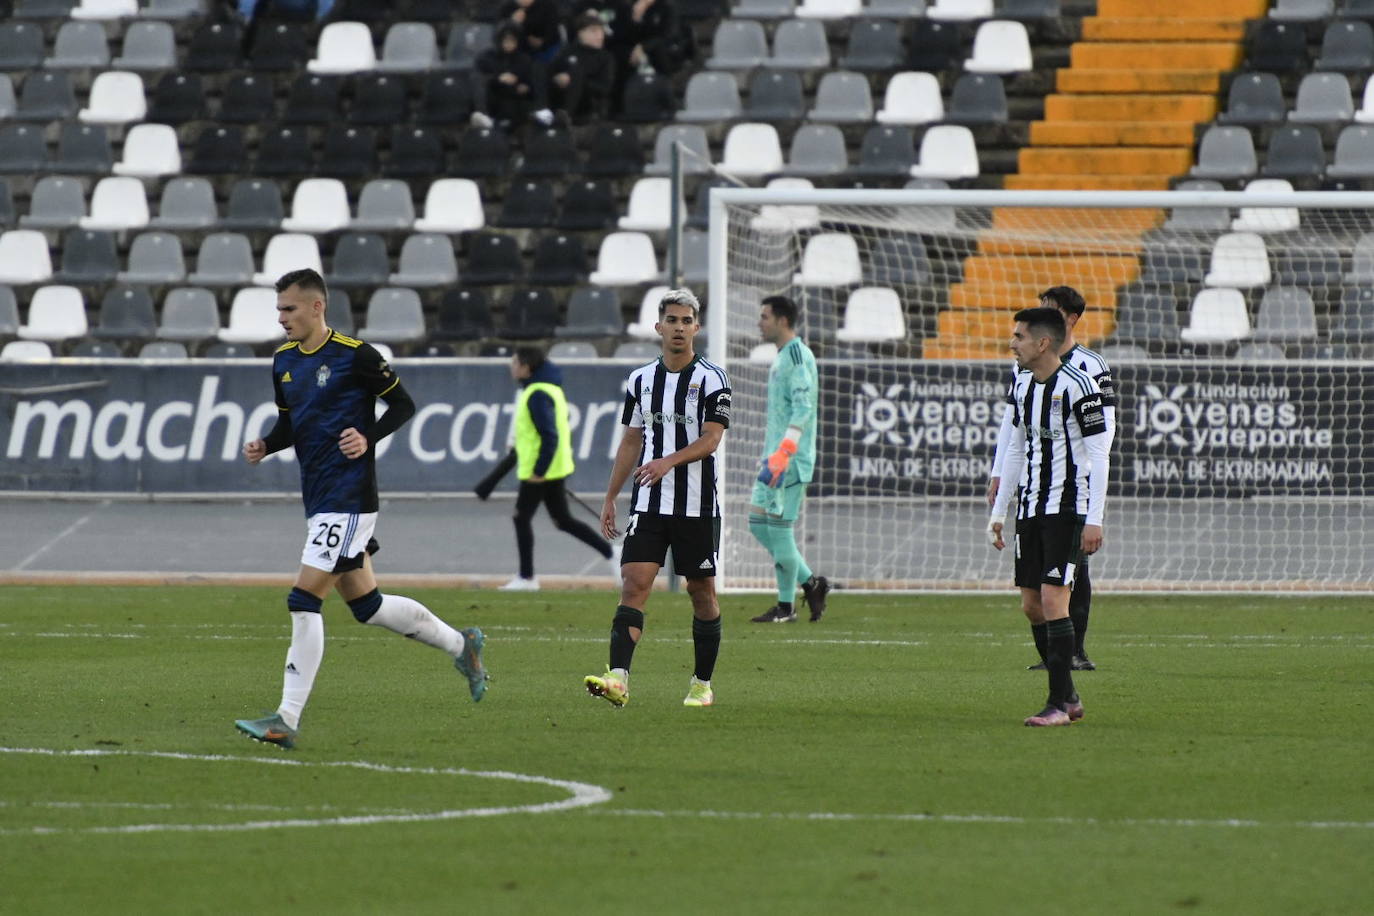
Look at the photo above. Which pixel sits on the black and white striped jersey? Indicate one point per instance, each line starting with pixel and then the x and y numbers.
pixel 1083 359
pixel 670 407
pixel 1052 423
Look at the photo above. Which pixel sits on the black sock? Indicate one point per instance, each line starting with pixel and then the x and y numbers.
pixel 622 643
pixel 785 607
pixel 1058 660
pixel 1080 601
pixel 1042 641
pixel 706 641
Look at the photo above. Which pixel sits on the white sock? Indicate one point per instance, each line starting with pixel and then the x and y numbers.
pixel 302 663
pixel 412 619
pixel 622 674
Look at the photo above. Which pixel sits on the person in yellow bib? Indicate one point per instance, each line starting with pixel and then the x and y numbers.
pixel 544 462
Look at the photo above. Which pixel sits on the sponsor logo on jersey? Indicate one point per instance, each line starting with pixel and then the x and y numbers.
pixel 322 376
pixel 664 418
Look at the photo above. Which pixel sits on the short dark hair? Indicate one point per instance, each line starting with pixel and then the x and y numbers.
pixel 306 279
pixel 588 19
pixel 1045 322
pixel 1065 298
pixel 531 357
pixel 782 307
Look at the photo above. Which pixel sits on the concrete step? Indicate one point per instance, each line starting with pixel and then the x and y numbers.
pixel 1193 55
pixel 1172 108
pixel 1095 81
pixel 1158 28
pixel 1112 133
pixel 1132 160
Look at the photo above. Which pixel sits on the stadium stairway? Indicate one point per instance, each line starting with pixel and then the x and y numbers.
pixel 1123 117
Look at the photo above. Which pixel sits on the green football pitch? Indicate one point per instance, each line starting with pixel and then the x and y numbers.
pixel 874 762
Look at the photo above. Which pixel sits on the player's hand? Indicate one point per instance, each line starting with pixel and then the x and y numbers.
pixel 1092 539
pixel 352 443
pixel 995 534
pixel 608 527
pixel 993 484
pixel 646 475
pixel 779 460
pixel 536 479
pixel 255 451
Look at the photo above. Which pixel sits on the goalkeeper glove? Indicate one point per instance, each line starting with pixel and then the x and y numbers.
pixel 779 460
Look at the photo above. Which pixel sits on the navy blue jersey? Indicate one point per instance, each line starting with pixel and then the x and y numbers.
pixel 324 392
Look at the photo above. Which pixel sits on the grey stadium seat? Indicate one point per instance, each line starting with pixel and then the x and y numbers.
pixel 696 156
pixel 187 203
pixel 254 203
pixel 799 44
pixel 1323 97
pixel 1354 156
pixel 9 313
pixel 738 44
pixel 83 149
pixel 189 314
pixel 763 9
pixel 593 312
pixel 711 97
pixel 163 349
pixel 1285 313
pixel 977 98
pixel 57 203
pixel 89 256
pixel 155 259
pixel 817 150
pixel 23 149
pixel 126 312
pixel 1225 152
pixel 426 260
pixel 79 45
pixel 360 259
pixel 775 96
pixel 46 96
pixel 1295 152
pixel 225 259
pixel 148 46
pixel 842 98
pixel 394 316
pixel 874 45
pixel 1254 98
pixel 886 150
pixel 1347 47
pixel 384 204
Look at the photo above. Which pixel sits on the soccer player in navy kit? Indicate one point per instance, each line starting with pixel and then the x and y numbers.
pixel 326 390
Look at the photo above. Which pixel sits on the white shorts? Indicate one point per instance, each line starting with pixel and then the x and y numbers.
pixel 331 537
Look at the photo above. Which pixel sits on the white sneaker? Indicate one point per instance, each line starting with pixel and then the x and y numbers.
pixel 613 561
pixel 478 119
pixel 544 116
pixel 520 585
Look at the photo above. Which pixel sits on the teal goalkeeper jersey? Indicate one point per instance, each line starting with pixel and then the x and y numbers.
pixel 792 402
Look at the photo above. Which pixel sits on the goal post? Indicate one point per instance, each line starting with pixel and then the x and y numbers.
pixel 1239 327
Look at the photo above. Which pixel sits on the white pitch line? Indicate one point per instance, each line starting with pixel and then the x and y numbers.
pixel 820 816
pixel 581 794
pixel 24 563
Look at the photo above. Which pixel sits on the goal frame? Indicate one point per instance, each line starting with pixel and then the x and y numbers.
pixel 721 199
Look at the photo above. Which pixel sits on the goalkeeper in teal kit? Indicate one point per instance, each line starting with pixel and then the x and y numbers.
pixel 788 461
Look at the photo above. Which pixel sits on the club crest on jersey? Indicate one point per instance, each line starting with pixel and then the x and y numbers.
pixel 322 376
pixel 693 390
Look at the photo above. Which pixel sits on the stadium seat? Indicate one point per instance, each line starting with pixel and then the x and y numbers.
pixel 642 328
pixel 527 205
pixel 696 152
pixel 21 46
pixel 318 205
pixel 1000 47
pixel 613 151
pixel 218 151
pixel 348 152
pixel 875 46
pixel 818 150
pixel 1256 352
pixel 313 99
pixel 764 9
pixel 79 45
pixel 286 252
pixel 344 47
pixel 842 98
pixel 384 206
pixel 445 99
pixel 589 205
pixel 410 47
pixel 1287 314
pixel 1199 219
pixel 572 350
pixel 9 105
pixel 56 203
pixel 452 205
pixel 416 152
pixel 775 96
pixel 530 314
pixel 189 314
pixel 148 46
pixel 1278 47
pixel 338 312
pixel 155 259
pixel 898 260
pixel 116 98
pixel 163 349
pixel 483 152
pixel 738 44
pixel 626 259
pixel 699 217
pixel 1267 219
pixel 830 259
pixel 948 152
pixel 787 217
pixel 224 259
pixel 172 9
pixel 89 258
pixel 1323 97
pixel 1355 319
pixel 493 259
pixel 222 350
pixel 650 207
pixel 1295 152
pixel 126 313
pixel 960 10
pixel 1302 10
pixel 694 257
pixel 977 98
pixel 252 317
pixel 887 151
pixel 1217 316
pixel 549 153
pixel 912 98
pixel 394 316
pixel 214 47
pixel 56 314
pixel 464 314
pixel 247 99
pixel 751 151
pixel 894 9
pixel 1240 260
pixel 799 44
pixel 934 47
pixel 1362 261
pixel 360 259
pixel 278 47
pixel 24 257
pixel 1309 267
pixel 378 98
pixel 7 216
pixel 1254 98
pixel 466 42
pixel 711 97
pixel 25 351
pixel 1225 153
pixel 638 350
pixel 105 9
pixel 873 314
pixel 1145 318
pixel 118 204
pixel 1347 47
pixel 177 98
pixel 150 151
pixel 84 149
pixel 426 259
pixel 89 348
pixel 559 260
pixel 46 96
pixel 254 203
pixel 829 9
pixel 1028 10
pixel 9 312
pixel 23 149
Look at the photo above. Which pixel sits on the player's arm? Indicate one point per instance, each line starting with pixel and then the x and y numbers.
pixel 1012 464
pixel 715 419
pixel 1092 422
pixel 802 396
pixel 625 457
pixel 999 455
pixel 279 437
pixel 1110 402
pixel 375 375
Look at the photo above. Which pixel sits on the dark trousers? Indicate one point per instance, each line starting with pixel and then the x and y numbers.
pixel 554 496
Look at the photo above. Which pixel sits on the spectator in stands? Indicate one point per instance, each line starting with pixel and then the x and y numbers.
pixel 582 76
pixel 511 84
pixel 539 25
pixel 641 35
pixel 294 10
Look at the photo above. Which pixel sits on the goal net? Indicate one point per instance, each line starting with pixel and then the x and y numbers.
pixel 1239 328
